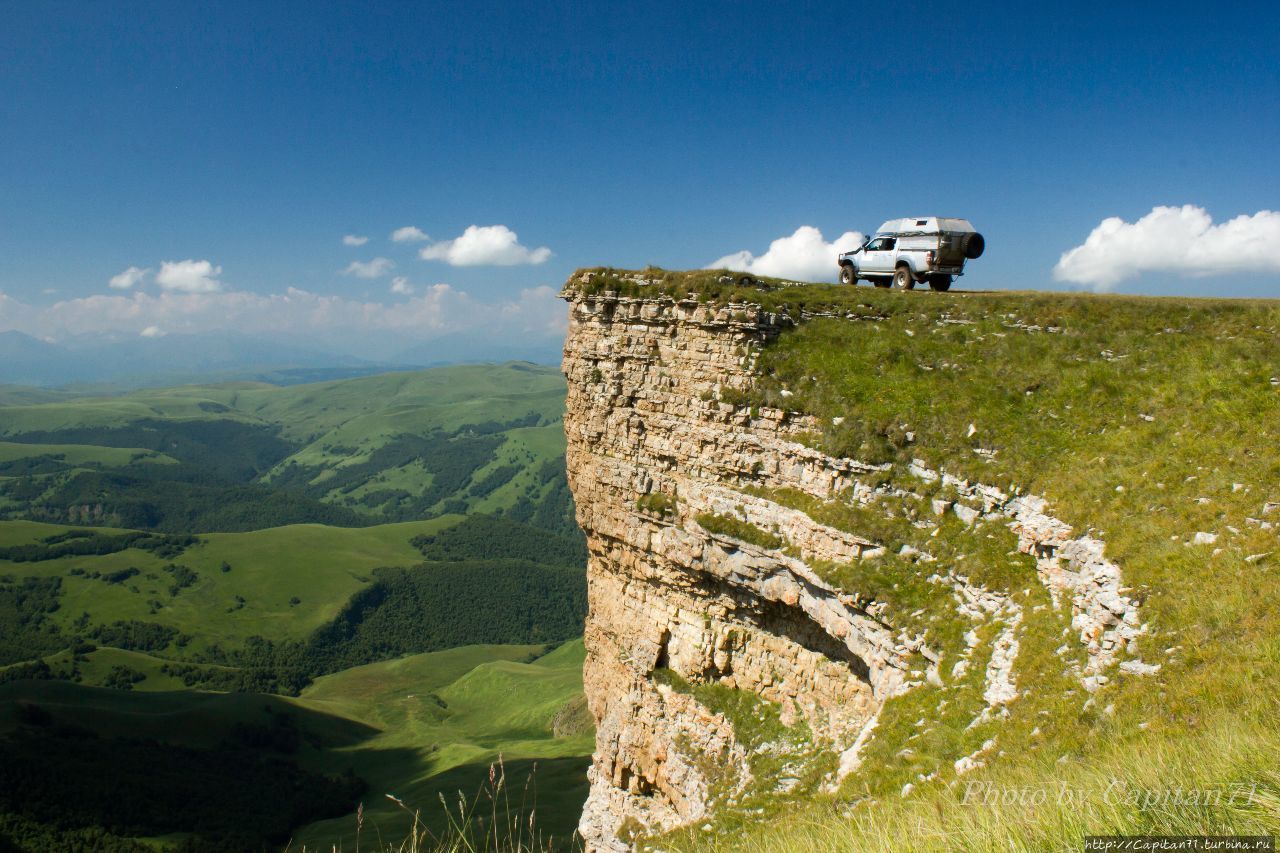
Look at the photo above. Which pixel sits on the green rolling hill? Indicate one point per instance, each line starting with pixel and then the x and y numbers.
pixel 392 447
pixel 357 587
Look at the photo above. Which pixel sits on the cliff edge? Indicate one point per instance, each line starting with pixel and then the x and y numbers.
pixel 780 593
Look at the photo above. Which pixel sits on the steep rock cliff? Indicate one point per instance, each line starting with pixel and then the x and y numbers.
pixel 704 571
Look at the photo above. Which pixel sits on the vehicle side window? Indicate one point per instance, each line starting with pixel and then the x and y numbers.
pixel 889 243
pixel 877 245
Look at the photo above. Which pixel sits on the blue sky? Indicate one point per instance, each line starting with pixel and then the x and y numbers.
pixel 255 136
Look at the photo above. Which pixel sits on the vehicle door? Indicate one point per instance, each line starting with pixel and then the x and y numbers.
pixel 879 255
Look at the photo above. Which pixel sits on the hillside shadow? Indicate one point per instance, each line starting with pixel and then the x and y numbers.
pixel 238 771
pixel 181 717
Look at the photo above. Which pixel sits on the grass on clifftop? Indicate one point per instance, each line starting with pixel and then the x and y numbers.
pixel 1143 421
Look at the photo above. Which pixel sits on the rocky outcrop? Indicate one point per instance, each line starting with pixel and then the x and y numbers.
pixel 651 451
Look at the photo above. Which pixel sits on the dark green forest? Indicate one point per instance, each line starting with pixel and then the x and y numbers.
pixel 25 632
pixel 486 537
pixel 427 608
pixel 82 543
pixel 555 511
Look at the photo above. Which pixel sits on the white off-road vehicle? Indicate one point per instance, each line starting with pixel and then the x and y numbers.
pixel 906 252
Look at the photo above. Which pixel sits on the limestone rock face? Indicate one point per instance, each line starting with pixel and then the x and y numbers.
pixel 650 450
pixel 642 421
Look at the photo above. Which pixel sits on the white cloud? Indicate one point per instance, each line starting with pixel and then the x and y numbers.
pixel 354 240
pixel 401 286
pixel 532 314
pixel 1178 240
pixel 485 245
pixel 129 278
pixel 538 311
pixel 376 268
pixel 18 315
pixel 189 276
pixel 805 256
pixel 409 234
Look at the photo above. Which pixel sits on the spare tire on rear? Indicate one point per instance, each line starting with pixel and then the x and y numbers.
pixel 973 245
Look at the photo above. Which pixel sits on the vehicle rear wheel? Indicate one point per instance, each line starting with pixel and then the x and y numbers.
pixel 903 279
pixel 940 282
pixel 847 275
pixel 881 282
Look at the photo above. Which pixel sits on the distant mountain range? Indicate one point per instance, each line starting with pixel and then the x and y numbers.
pixel 170 359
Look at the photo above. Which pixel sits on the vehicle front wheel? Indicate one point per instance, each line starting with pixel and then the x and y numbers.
pixel 903 279
pixel 940 282
pixel 847 275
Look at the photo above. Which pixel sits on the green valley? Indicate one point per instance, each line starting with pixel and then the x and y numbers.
pixel 356 588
